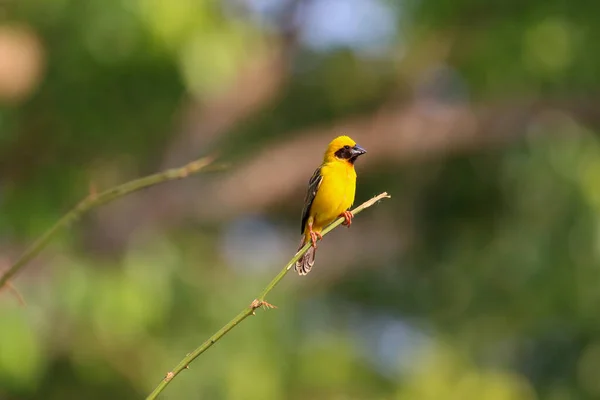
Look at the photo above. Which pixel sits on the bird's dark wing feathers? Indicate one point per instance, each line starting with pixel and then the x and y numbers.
pixel 313 186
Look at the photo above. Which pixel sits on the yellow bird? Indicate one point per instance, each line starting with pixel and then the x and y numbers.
pixel 330 195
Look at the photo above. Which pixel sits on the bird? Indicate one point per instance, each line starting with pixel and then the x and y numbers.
pixel 330 195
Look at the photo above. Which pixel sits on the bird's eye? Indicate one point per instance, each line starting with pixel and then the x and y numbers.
pixel 347 147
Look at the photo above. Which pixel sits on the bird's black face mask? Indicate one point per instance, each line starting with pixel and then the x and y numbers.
pixel 350 153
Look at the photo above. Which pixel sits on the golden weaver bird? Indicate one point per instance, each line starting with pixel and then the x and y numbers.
pixel 330 195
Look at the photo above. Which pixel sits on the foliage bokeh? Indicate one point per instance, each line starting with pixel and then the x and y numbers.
pixel 477 280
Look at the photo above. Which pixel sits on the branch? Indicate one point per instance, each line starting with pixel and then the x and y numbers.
pixel 258 302
pixel 96 199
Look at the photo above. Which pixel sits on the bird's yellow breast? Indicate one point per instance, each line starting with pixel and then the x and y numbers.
pixel 336 193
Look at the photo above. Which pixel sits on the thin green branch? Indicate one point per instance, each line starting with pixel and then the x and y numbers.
pixel 95 199
pixel 258 302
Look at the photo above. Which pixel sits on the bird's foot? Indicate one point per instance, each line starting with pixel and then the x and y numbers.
pixel 314 236
pixel 347 218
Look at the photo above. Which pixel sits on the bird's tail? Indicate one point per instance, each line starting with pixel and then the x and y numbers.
pixel 306 262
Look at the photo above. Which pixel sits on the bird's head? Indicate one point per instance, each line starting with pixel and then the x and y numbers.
pixel 344 149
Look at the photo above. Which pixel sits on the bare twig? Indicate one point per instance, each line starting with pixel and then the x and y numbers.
pixel 95 199
pixel 256 303
pixel 16 293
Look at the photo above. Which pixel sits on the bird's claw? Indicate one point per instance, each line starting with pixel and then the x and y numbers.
pixel 347 218
pixel 314 236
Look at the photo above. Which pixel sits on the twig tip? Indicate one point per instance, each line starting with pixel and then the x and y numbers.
pixel 8 285
pixel 93 192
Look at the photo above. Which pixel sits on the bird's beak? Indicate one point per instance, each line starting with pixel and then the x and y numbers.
pixel 357 151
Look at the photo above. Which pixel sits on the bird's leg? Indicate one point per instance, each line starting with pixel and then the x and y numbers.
pixel 314 236
pixel 347 217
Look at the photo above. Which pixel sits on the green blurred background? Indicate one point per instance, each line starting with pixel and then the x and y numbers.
pixel 479 279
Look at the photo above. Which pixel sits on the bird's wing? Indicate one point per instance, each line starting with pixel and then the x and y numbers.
pixel 313 186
